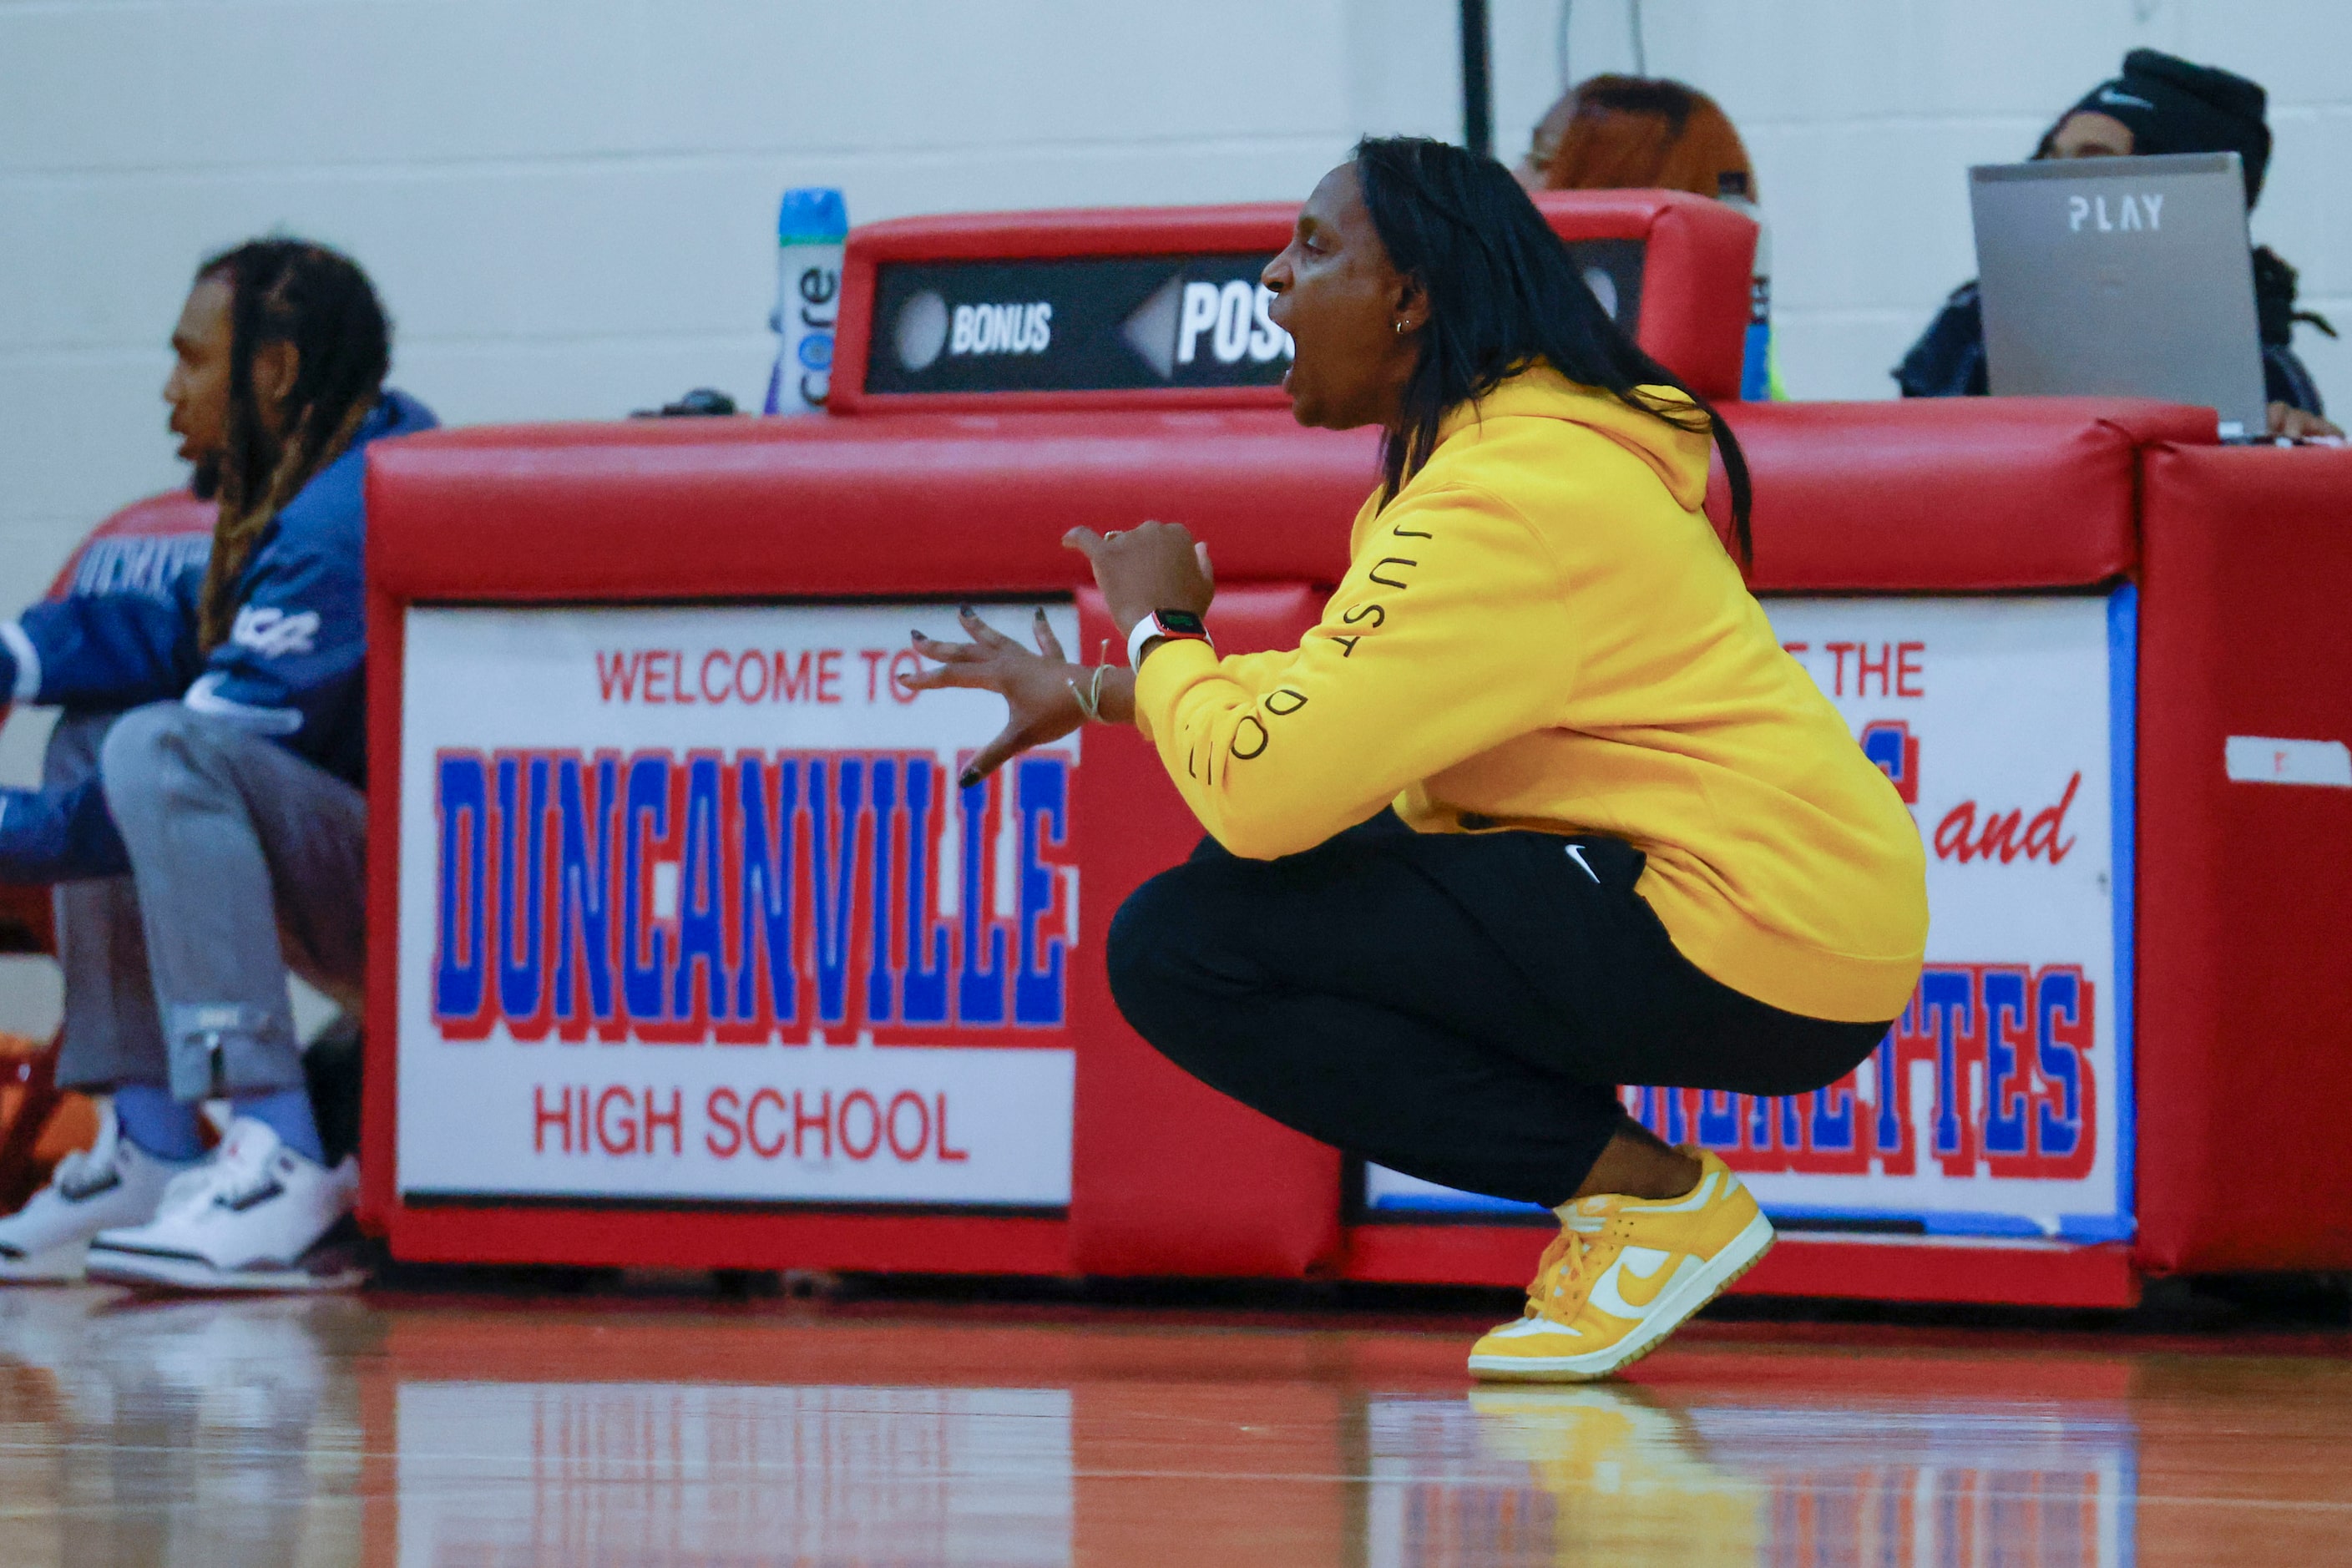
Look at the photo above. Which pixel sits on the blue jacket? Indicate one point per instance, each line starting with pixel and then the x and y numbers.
pixel 293 667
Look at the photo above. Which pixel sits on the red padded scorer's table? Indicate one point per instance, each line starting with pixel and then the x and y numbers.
pixel 915 501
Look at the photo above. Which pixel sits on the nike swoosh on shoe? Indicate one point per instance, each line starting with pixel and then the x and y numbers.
pixel 1646 1284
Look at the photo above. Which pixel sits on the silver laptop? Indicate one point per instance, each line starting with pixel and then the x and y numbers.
pixel 2129 276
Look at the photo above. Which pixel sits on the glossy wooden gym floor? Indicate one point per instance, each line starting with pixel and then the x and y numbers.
pixel 656 1424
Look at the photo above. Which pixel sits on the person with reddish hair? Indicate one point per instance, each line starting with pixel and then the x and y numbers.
pixel 1629 132
pixel 1621 132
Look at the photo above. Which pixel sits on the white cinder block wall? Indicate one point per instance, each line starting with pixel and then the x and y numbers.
pixel 567 205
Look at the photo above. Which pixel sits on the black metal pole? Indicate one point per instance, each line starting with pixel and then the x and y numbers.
pixel 1477 86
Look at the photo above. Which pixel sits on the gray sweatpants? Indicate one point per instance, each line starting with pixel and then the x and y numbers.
pixel 245 860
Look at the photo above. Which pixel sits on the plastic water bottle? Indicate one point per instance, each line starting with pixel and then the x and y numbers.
pixel 809 228
pixel 1756 355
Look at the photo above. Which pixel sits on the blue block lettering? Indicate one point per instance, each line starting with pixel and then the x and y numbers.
pixel 835 819
pixel 522 886
pixel 1948 1006
pixel 1044 786
pixel 769 811
pixel 645 812
pixel 2059 995
pixel 1718 1118
pixel 923 986
pixel 2004 1114
pixel 462 808
pixel 882 967
pixel 701 906
pixel 583 938
pixel 980 988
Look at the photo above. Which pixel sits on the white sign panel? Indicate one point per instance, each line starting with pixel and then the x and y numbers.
pixel 692 906
pixel 2000 1103
pixel 2265 759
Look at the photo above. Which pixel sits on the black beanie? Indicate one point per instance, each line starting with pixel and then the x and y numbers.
pixel 2173 106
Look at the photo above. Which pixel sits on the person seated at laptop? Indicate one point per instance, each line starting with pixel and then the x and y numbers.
pixel 2159 104
pixel 201 815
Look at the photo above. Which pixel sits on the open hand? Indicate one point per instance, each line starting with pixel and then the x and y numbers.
pixel 1035 686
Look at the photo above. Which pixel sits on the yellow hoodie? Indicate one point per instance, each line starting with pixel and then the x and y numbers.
pixel 1540 631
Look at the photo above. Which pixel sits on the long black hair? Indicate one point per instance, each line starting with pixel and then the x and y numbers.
pixel 317 300
pixel 1505 295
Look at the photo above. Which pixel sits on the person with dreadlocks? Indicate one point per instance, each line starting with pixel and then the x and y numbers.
pixel 201 813
pixel 1539 807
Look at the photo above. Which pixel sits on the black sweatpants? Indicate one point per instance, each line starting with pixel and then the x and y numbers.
pixel 1459 1008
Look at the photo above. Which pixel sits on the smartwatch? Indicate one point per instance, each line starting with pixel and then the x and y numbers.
pixel 1175 626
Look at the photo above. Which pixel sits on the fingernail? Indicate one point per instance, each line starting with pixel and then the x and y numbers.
pixel 1041 612
pixel 919 635
pixel 969 777
pixel 969 612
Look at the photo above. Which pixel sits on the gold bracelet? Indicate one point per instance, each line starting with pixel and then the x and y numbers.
pixel 1088 710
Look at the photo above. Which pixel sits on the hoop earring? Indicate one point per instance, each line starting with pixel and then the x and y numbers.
pixel 1399 327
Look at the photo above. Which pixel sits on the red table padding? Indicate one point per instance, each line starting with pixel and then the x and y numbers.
pixel 1963 494
pixel 922 504
pixel 1949 494
pixel 1167 1176
pixel 2244 975
pixel 1698 264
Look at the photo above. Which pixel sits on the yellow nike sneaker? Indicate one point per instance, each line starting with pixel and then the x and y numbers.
pixel 1622 1275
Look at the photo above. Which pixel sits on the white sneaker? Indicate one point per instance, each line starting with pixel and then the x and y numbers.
pixel 255 1216
pixel 113 1183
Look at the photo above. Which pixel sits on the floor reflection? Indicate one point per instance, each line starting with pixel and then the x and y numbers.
pixel 178 1433
pixel 662 1473
pixel 1536 1475
pixel 1617 1474
pixel 462 1434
